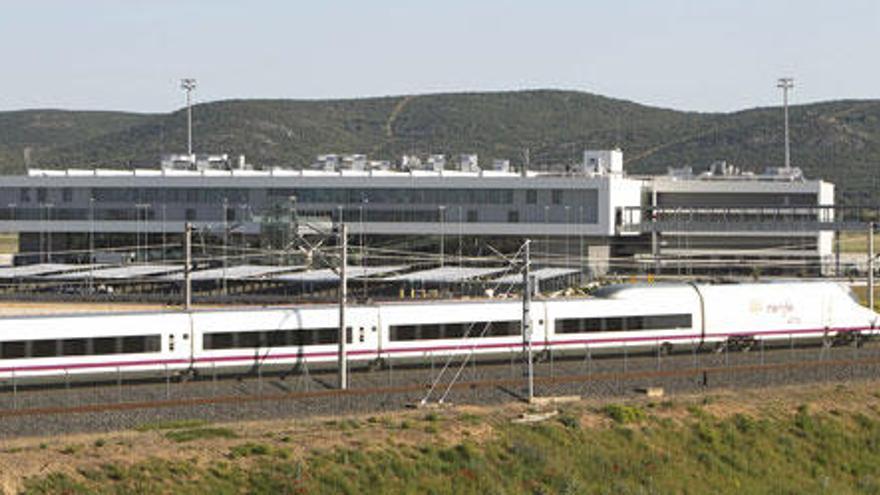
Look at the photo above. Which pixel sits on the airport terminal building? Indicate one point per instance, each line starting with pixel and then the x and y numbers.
pixel 593 213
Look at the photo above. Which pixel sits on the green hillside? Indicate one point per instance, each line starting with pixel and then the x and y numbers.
pixel 838 141
pixel 813 439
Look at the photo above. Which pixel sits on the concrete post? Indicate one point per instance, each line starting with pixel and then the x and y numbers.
pixel 343 295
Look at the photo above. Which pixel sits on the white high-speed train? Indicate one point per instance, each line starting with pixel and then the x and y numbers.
pixel 614 317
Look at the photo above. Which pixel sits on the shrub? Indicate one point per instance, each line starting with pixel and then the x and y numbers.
pixel 569 421
pixel 624 414
pixel 189 435
pixel 172 425
pixel 249 449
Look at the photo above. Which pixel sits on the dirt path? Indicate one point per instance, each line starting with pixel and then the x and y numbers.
pixel 398 108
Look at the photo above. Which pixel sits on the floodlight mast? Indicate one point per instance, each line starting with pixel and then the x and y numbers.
pixel 786 84
pixel 188 84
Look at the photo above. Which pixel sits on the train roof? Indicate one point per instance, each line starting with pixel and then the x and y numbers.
pixel 608 292
pixel 633 291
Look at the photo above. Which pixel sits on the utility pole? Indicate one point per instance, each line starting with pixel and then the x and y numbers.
pixel 91 245
pixel 527 319
pixel 188 84
pixel 871 266
pixel 187 267
pixel 786 84
pixel 225 244
pixel 343 294
pixel 441 211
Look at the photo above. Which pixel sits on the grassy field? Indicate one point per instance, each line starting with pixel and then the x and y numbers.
pixel 862 293
pixel 857 242
pixel 8 243
pixel 807 439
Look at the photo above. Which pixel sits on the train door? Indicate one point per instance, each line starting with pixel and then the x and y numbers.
pixel 178 342
pixel 190 339
pixel 377 332
pixel 543 327
pixel 362 331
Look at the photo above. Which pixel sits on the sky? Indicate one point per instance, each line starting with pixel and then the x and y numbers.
pixel 699 55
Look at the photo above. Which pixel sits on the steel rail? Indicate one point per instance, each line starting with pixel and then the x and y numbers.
pixel 420 387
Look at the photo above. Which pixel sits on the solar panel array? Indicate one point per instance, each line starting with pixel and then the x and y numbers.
pixel 540 274
pixel 118 272
pixel 329 276
pixel 40 269
pixel 237 272
pixel 445 274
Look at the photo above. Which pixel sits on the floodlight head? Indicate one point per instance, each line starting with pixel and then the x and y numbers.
pixel 188 84
pixel 785 83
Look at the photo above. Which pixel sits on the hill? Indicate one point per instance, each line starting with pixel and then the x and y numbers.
pixel 838 141
pixel 809 439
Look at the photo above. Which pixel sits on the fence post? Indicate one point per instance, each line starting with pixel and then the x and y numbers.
pixel 67 385
pixel 390 372
pixel 657 343
pixel 855 356
pixel 14 390
pixel 167 384
pixel 118 384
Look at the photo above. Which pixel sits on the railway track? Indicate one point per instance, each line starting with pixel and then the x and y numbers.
pixel 113 406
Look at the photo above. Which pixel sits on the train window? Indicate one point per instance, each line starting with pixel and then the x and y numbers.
pixel 668 321
pixel 403 332
pixel 104 345
pixel 454 330
pixel 325 336
pixel 503 328
pixel 299 338
pixel 570 325
pixel 271 338
pixel 44 348
pixel 153 343
pixel 13 350
pixel 619 323
pixel 277 338
pixel 635 323
pixel 220 340
pixel 249 339
pixel 429 332
pixel 79 347
pixel 134 344
pixel 592 325
pixel 613 324
pixel 74 347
